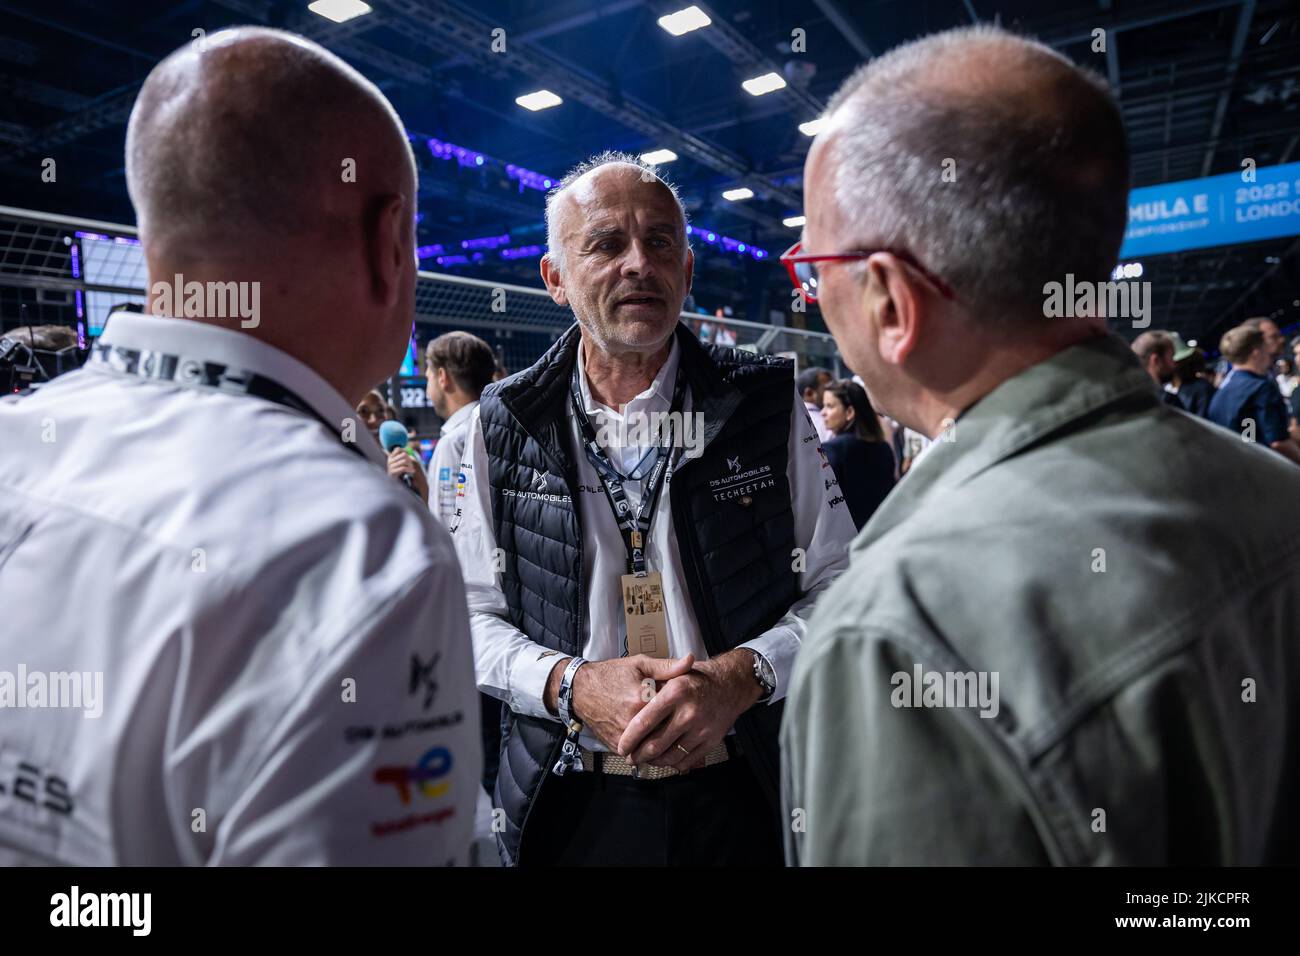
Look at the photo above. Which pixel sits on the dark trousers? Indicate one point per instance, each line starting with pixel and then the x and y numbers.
pixel 715 816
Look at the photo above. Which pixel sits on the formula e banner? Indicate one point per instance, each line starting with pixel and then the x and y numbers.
pixel 1215 211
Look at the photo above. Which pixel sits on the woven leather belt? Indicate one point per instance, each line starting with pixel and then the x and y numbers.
pixel 618 765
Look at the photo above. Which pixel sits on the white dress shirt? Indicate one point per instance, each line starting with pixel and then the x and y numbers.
pixel 509 664
pixel 279 627
pixel 444 466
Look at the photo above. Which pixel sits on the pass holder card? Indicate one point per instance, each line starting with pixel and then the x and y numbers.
pixel 643 609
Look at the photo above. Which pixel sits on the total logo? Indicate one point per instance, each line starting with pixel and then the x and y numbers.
pixel 433 766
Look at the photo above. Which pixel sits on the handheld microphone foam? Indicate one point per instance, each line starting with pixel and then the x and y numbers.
pixel 393 435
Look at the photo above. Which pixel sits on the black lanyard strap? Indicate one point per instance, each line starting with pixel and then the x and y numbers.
pixel 200 373
pixel 635 529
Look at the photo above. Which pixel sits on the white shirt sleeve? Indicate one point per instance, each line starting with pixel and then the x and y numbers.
pixel 507 663
pixel 447 454
pixel 338 779
pixel 823 531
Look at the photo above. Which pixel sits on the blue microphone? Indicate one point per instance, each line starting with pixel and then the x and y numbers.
pixel 393 435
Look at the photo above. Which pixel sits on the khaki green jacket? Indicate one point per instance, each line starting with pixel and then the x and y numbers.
pixel 1130 577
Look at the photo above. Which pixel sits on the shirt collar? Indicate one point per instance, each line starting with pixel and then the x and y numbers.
pixel 659 389
pixel 1024 410
pixel 459 416
pixel 238 350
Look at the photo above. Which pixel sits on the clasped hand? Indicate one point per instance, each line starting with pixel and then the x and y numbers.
pixel 665 713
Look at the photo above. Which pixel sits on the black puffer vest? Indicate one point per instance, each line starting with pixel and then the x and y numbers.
pixel 731 513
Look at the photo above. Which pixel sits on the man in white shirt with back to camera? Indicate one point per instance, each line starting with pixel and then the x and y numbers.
pixel 228 637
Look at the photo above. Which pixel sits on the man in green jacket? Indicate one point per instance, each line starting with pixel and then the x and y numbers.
pixel 1069 635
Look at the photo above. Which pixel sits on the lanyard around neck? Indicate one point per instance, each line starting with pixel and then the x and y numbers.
pixel 635 529
pixel 200 373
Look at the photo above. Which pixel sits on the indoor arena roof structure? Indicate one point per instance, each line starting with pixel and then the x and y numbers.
pixel 1204 85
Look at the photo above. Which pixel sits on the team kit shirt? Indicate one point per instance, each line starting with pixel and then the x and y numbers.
pixel 446 483
pixel 227 636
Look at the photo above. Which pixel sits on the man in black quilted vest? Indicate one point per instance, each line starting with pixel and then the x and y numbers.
pixel 645 526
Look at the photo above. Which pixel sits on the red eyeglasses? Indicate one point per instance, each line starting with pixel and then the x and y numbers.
pixel 802 267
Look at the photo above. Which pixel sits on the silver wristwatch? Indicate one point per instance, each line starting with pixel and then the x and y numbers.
pixel 765 674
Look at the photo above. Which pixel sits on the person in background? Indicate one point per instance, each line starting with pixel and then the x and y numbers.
pixel 1274 344
pixel 1195 390
pixel 1295 395
pixel 1287 380
pixel 1249 402
pixel 862 459
pixel 50 338
pixel 374 410
pixel 31 355
pixel 458 367
pixel 810 383
pixel 1274 340
pixel 1155 350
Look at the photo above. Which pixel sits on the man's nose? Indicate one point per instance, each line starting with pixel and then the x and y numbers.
pixel 635 260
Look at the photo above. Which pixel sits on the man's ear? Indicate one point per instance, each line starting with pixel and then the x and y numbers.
pixel 446 383
pixel 896 303
pixel 387 249
pixel 690 270
pixel 554 281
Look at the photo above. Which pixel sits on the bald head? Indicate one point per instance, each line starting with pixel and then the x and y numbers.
pixel 252 138
pixel 993 159
pixel 257 160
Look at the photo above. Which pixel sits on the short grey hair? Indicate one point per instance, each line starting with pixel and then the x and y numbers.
pixel 554 249
pixel 1038 193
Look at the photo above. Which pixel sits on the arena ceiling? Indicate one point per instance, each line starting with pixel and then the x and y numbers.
pixel 1202 84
